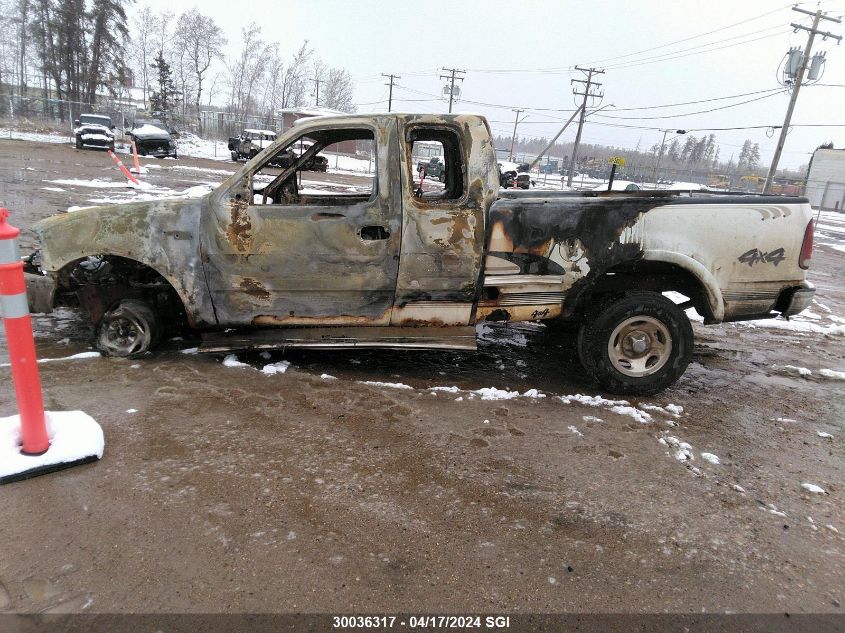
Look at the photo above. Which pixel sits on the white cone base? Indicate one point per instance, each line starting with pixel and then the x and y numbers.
pixel 75 437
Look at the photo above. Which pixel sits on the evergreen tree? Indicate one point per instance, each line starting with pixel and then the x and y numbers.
pixel 166 97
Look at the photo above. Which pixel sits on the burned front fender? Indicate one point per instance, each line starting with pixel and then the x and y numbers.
pixel 161 234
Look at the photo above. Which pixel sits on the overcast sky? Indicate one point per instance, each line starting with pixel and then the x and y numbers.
pixel 522 54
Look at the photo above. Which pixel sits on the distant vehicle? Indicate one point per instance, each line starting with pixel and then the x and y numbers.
pixel 94 130
pixel 250 142
pixel 433 167
pixel 152 138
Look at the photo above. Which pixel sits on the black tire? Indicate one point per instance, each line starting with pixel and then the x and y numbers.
pixel 235 157
pixel 111 147
pixel 129 330
pixel 651 339
pixel 78 142
pixel 442 176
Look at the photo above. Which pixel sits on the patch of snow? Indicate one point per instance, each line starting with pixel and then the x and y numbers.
pixel 73 435
pixel 276 368
pixel 591 418
pixel 58 189
pixel 80 356
pixel 132 411
pixel 831 528
pixel 94 183
pixel 327 377
pixel 738 488
pixel 674 409
pixel 832 374
pixel 445 389
pixel 533 393
pixel 793 370
pixel 640 416
pixel 710 457
pixel 232 361
pixel 774 510
pixel 592 401
pixel 491 393
pixel 813 488
pixel 575 430
pixel 191 350
pixel 824 435
pixel 390 385
pixel 683 451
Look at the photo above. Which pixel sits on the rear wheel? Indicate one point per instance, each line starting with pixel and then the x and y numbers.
pixel 638 344
pixel 130 329
pixel 78 142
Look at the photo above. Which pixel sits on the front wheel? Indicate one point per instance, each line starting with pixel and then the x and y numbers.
pixel 129 330
pixel 638 344
pixel 78 142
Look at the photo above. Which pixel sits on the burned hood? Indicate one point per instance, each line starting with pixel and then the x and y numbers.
pixel 137 230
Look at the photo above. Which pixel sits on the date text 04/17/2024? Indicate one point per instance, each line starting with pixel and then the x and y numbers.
pixel 489 622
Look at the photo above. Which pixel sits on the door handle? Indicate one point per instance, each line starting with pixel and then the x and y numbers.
pixel 374 233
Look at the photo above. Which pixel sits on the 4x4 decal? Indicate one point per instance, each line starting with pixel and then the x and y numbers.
pixel 755 255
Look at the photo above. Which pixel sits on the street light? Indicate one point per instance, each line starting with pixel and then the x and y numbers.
pixel 660 153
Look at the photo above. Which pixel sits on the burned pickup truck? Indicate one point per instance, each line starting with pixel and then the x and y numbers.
pixel 261 262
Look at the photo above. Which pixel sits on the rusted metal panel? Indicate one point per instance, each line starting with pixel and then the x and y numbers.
pixel 443 240
pixel 306 264
pixel 161 234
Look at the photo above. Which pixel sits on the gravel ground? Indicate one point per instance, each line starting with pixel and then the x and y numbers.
pixel 347 483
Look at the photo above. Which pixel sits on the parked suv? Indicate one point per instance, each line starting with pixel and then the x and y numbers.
pixel 94 130
pixel 152 138
pixel 250 142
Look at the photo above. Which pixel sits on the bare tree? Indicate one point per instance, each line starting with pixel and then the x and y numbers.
pixel 339 90
pixel 201 40
pixel 145 27
pixel 247 69
pixel 295 85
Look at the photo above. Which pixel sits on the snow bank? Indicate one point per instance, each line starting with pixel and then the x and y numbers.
pixel 73 435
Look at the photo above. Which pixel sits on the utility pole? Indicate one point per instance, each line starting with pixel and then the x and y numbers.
pixel 317 81
pixel 515 122
pixel 588 84
pixel 390 96
pixel 805 60
pixel 451 77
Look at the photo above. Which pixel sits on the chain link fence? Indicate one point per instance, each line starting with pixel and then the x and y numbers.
pixel 58 116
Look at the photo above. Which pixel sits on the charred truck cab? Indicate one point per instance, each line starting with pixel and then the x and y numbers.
pixel 265 261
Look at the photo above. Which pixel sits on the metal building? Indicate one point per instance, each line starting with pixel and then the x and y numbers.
pixel 826 180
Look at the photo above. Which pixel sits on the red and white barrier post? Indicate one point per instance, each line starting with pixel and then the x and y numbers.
pixel 135 158
pixel 15 312
pixel 122 167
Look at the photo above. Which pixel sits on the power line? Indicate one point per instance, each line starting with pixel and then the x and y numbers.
pixel 694 37
pixel 675 116
pixel 673 56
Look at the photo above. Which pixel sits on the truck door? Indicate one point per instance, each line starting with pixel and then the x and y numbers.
pixel 288 244
pixel 442 224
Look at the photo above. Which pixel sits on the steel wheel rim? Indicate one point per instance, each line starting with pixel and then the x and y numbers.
pixel 125 334
pixel 639 346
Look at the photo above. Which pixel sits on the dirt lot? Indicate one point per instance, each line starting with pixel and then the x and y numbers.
pixel 228 489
